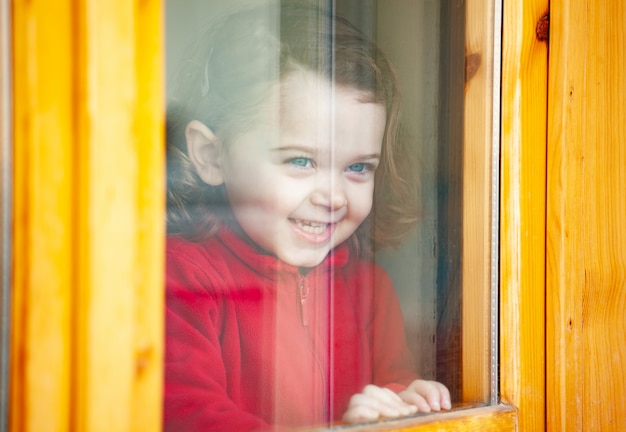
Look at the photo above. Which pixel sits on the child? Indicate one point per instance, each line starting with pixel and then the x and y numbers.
pixel 279 147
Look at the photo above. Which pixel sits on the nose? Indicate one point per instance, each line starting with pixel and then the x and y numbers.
pixel 329 194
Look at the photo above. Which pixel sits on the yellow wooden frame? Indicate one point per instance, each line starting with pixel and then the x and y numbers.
pixel 88 236
pixel 477 189
pixel 586 217
pixel 89 232
pixel 522 212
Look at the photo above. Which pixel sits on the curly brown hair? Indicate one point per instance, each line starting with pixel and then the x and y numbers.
pixel 227 75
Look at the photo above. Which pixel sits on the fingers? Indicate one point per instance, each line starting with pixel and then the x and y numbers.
pixel 359 412
pixel 389 403
pixel 374 402
pixel 427 395
pixel 417 400
pixel 446 400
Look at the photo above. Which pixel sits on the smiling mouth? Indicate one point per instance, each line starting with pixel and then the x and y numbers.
pixel 315 228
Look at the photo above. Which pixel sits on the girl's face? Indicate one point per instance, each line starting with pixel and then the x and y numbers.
pixel 300 180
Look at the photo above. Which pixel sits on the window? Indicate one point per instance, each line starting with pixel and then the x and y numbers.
pixel 78 289
pixel 444 275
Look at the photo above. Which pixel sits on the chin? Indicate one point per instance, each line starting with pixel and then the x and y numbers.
pixel 305 262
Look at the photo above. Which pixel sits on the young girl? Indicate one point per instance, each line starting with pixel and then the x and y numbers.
pixel 283 172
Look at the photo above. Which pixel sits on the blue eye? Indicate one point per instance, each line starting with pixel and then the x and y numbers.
pixel 301 162
pixel 358 167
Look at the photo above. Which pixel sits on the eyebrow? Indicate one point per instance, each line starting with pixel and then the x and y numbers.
pixel 299 148
pixel 310 150
pixel 370 156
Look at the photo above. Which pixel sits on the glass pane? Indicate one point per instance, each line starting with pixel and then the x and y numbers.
pixel 318 235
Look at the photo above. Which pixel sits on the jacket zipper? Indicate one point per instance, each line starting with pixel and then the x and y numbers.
pixel 304 293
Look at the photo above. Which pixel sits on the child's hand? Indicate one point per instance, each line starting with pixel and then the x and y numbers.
pixel 426 395
pixel 374 402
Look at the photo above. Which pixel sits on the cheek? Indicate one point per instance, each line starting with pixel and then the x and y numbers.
pixel 244 180
pixel 264 191
pixel 361 201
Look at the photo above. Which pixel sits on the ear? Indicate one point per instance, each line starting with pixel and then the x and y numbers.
pixel 204 150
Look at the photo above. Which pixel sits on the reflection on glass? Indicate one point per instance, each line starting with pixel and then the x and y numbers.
pixel 293 172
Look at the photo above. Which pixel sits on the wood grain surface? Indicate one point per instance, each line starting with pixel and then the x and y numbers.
pixel 522 213
pixel 89 203
pixel 586 234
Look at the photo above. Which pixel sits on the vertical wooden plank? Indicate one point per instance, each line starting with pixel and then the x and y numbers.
pixel 564 262
pixel 106 216
pixel 40 349
pixel 149 271
pixel 479 34
pixel 522 212
pixel 120 165
pixel 89 203
pixel 586 217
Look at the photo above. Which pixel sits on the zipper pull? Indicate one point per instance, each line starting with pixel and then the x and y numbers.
pixel 304 293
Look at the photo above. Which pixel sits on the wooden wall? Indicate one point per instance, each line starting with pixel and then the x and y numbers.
pixel 586 218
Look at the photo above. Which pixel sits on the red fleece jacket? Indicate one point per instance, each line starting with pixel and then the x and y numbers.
pixel 251 344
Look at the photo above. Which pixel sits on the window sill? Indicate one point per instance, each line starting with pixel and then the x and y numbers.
pixel 496 418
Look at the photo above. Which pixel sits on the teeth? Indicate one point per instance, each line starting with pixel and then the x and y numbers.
pixel 311 227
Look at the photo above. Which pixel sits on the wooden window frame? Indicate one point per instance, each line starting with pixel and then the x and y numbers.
pixel 6 203
pixel 88 231
pixel 87 325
